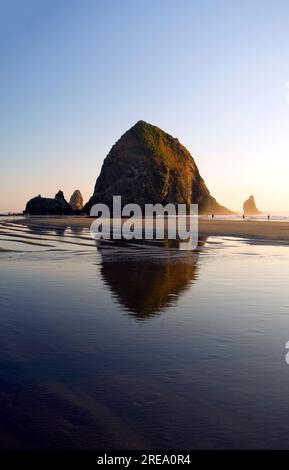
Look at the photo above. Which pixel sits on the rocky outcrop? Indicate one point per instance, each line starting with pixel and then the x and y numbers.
pixel 48 206
pixel 76 201
pixel 249 206
pixel 147 165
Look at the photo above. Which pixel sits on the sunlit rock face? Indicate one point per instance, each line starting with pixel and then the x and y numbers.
pixel 48 206
pixel 76 201
pixel 147 165
pixel 250 207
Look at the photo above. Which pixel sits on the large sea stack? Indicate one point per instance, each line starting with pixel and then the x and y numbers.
pixel 250 207
pixel 147 165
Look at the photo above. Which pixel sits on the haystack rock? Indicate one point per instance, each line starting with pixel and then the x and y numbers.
pixel 76 201
pixel 250 207
pixel 48 206
pixel 147 165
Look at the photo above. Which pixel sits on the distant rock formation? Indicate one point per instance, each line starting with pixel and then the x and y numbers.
pixel 76 201
pixel 48 206
pixel 147 165
pixel 249 206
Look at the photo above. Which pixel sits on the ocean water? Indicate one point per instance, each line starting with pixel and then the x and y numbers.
pixel 113 345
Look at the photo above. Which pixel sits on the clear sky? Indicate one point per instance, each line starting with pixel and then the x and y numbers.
pixel 76 74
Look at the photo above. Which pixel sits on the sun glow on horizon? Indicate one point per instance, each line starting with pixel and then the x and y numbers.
pixel 75 79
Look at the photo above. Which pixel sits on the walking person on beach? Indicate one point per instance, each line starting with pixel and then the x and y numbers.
pixel 243 216
pixel 213 216
pixel 268 217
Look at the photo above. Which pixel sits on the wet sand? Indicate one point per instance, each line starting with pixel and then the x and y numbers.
pixel 111 345
pixel 273 231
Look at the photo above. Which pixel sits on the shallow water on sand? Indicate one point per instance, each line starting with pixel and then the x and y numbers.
pixel 115 345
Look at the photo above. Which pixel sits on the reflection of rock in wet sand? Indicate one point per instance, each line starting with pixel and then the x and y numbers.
pixel 47 230
pixel 144 282
pixel 76 230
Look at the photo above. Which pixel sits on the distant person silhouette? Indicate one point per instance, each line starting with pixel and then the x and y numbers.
pixel 243 217
pixel 268 216
pixel 213 216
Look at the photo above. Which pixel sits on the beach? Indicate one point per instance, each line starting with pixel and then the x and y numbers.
pixel 121 345
pixel 268 231
pixel 144 231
